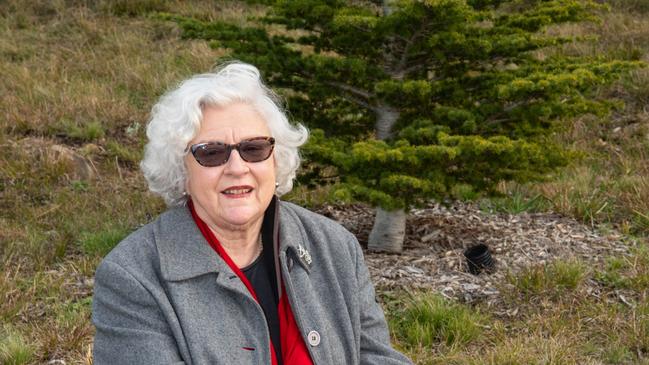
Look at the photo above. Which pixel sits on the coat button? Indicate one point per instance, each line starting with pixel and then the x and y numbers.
pixel 314 338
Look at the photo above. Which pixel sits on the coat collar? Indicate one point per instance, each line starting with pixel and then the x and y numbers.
pixel 184 253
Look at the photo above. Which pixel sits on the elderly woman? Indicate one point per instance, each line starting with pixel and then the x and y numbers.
pixel 230 274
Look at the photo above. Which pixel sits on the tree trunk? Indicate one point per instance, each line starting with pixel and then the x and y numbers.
pixel 386 116
pixel 389 226
pixel 388 231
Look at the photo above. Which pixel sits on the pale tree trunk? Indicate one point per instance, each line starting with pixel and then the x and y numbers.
pixel 389 226
pixel 388 231
pixel 386 116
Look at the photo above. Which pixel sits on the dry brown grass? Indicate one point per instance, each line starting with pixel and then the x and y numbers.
pixel 82 66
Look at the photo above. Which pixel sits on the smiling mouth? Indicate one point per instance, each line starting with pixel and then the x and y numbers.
pixel 237 191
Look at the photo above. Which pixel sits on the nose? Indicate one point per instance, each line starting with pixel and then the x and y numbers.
pixel 236 165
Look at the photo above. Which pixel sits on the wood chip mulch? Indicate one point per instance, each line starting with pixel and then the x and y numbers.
pixel 437 236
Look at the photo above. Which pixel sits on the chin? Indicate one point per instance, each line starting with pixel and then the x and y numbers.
pixel 242 216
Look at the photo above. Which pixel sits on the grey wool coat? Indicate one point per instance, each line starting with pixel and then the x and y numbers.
pixel 163 296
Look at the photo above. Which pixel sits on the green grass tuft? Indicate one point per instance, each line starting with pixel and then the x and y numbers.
pixel 429 320
pixel 87 132
pixel 14 350
pixel 617 354
pixel 612 275
pixel 100 243
pixel 627 272
pixel 556 278
pixel 123 153
pixel 567 275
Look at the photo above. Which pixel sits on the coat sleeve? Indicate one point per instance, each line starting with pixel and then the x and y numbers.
pixel 130 326
pixel 375 337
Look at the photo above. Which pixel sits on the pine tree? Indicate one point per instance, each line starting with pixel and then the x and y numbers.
pixel 409 99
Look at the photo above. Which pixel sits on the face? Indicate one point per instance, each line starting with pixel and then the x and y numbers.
pixel 232 196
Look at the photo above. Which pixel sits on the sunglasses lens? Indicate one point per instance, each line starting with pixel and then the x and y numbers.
pixel 211 154
pixel 256 150
pixel 217 153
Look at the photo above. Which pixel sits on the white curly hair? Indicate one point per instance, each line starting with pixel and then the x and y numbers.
pixel 176 120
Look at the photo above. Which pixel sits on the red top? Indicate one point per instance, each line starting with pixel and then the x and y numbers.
pixel 294 351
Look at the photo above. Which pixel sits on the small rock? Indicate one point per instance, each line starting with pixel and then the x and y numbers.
pixel 81 167
pixel 78 167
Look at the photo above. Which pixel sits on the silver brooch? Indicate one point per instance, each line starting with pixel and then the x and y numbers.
pixel 304 254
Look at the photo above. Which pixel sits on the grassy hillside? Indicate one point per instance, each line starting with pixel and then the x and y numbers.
pixel 78 80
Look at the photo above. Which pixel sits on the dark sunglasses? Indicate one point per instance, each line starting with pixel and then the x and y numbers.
pixel 212 154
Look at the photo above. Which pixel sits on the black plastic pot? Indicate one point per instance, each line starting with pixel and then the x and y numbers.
pixel 478 259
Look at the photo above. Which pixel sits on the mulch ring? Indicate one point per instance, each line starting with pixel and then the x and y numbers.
pixel 437 236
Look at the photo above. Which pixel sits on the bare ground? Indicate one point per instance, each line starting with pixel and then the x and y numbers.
pixel 437 237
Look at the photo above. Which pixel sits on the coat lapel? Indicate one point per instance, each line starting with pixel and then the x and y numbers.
pixel 307 307
pixel 184 253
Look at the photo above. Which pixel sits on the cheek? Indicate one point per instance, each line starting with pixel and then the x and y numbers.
pixel 269 173
pixel 198 178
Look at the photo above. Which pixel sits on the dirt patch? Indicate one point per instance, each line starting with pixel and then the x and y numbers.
pixel 437 236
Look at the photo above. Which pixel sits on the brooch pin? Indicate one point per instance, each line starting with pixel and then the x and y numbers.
pixel 304 254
